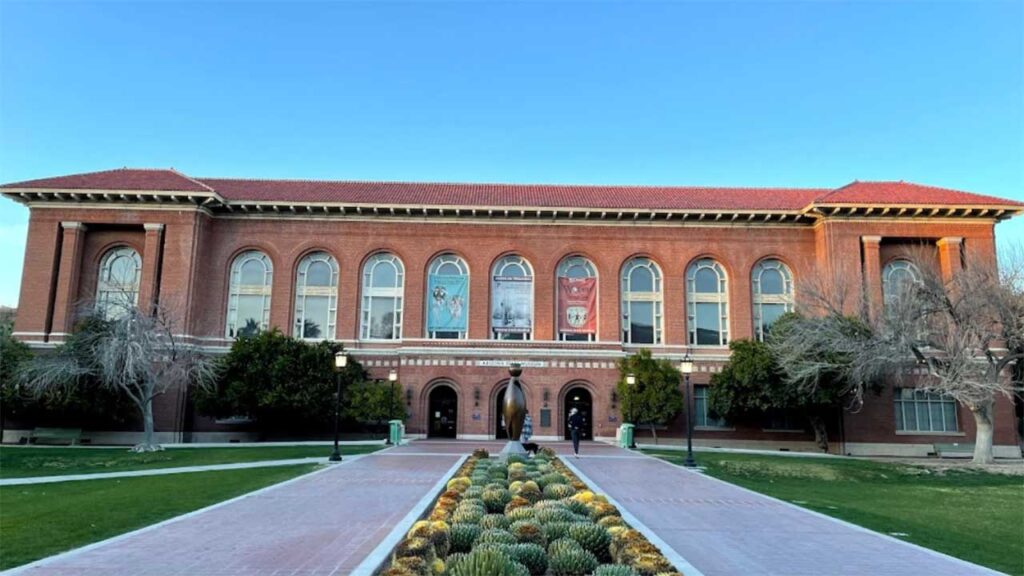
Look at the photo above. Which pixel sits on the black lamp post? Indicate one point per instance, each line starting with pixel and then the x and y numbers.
pixel 686 367
pixel 392 378
pixel 340 361
pixel 630 383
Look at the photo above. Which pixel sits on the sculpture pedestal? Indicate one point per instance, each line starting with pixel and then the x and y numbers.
pixel 511 447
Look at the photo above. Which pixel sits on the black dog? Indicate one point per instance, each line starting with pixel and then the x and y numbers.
pixel 531 447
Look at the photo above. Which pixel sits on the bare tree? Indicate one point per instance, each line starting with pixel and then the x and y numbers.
pixel 122 347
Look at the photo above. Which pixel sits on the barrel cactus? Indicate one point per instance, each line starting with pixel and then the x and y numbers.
pixel 437 532
pixel 495 499
pixel 609 521
pixel 532 556
pixel 463 536
pixel 599 510
pixel 515 503
pixel 467 515
pixel 521 512
pixel 496 535
pixel 460 484
pixel 414 564
pixel 528 532
pixel 631 552
pixel 651 564
pixel 558 491
pixel 577 506
pixel 615 570
pixel 494 521
pixel 572 562
pixel 551 478
pixel 486 563
pixel 530 492
pixel 415 547
pixel 595 539
pixel 550 515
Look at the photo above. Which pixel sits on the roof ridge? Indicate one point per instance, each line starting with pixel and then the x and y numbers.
pixel 525 184
pixel 191 179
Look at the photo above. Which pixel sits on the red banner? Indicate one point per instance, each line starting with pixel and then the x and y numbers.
pixel 577 305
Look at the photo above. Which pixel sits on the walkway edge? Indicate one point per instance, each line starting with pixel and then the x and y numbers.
pixel 76 551
pixel 376 558
pixel 670 553
pixel 162 471
pixel 837 520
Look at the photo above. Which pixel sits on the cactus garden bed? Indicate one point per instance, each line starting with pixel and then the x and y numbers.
pixel 523 517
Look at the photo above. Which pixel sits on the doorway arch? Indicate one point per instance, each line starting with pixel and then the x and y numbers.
pixel 500 433
pixel 579 397
pixel 443 412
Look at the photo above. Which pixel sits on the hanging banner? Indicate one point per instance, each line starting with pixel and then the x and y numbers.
pixel 512 304
pixel 448 310
pixel 577 301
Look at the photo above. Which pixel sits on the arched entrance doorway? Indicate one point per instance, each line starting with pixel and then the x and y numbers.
pixel 579 397
pixel 500 433
pixel 443 412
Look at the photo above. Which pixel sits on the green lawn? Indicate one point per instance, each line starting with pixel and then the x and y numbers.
pixel 24 461
pixel 40 520
pixel 972 515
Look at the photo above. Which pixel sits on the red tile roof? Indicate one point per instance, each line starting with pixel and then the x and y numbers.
pixel 514 195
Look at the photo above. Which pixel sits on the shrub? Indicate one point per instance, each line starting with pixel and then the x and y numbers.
pixel 572 562
pixel 532 556
pixel 494 521
pixel 496 499
pixel 527 532
pixel 558 491
pixel 593 538
pixel 615 570
pixel 496 536
pixel 463 536
pixel 486 563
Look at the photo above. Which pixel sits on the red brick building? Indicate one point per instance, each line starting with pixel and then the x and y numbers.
pixel 448 283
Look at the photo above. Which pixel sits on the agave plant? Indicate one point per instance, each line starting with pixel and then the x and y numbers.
pixel 532 556
pixel 486 563
pixel 572 562
pixel 593 538
pixel 463 536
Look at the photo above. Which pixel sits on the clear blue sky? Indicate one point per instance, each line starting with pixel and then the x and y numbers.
pixel 770 94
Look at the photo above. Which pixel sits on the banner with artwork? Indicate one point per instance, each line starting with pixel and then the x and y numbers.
pixel 447 303
pixel 512 304
pixel 577 305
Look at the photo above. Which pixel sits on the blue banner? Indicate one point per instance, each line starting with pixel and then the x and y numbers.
pixel 447 303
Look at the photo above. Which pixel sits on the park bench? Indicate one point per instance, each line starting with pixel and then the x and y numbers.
pixel 70 436
pixel 955 450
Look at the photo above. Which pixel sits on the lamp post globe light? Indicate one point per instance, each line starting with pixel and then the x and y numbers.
pixel 630 383
pixel 340 362
pixel 392 378
pixel 686 367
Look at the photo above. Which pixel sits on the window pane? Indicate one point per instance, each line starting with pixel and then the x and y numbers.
pixel 317 318
pixel 641 322
pixel 706 281
pixel 949 412
pixel 922 416
pixel 319 274
pixel 641 280
pixel 910 415
pixel 769 314
pixel 449 269
pixel 900 425
pixel 772 282
pixel 382 318
pixel 384 275
pixel 252 273
pixel 936 413
pixel 708 324
pixel 122 271
pixel 250 315
pixel 513 270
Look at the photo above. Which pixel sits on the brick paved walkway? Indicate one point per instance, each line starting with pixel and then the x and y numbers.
pixel 318 525
pixel 725 530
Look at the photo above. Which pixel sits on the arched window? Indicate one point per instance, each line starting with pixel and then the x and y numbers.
pixel 316 296
pixel 772 283
pixel 512 299
pixel 897 277
pixel 707 300
pixel 118 285
pixel 576 293
pixel 447 298
pixel 249 294
pixel 383 289
pixel 641 302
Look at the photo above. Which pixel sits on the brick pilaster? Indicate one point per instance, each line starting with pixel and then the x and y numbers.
pixel 69 271
pixel 149 290
pixel 872 273
pixel 949 256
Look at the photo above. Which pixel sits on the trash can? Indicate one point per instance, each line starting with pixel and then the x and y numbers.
pixel 395 432
pixel 626 435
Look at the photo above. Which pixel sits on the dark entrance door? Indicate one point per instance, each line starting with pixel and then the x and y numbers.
pixel 500 433
pixel 444 411
pixel 579 398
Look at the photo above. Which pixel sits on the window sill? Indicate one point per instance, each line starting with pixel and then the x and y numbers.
pixel 783 430
pixel 927 433
pixel 714 429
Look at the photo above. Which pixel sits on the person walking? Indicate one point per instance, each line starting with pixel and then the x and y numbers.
pixel 575 426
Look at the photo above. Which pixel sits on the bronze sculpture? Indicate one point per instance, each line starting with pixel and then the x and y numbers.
pixel 514 409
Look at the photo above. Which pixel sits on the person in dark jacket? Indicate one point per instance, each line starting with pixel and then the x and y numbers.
pixel 575 428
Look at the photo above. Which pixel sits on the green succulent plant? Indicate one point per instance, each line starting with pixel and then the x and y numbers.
pixel 609 521
pixel 550 505
pixel 486 563
pixel 593 538
pixel 561 545
pixel 524 513
pixel 651 564
pixel 414 564
pixel 532 556
pixel 576 506
pixel 473 492
pixel 615 570
pixel 555 530
pixel 496 499
pixel 417 547
pixel 467 515
pixel 494 521
pixel 558 491
pixel 496 536
pixel 463 536
pixel 572 562
pixel 550 515
pixel 528 532
pixel 548 478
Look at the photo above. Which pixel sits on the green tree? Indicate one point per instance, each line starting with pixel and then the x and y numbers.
pixel 284 384
pixel 13 353
pixel 374 402
pixel 656 398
